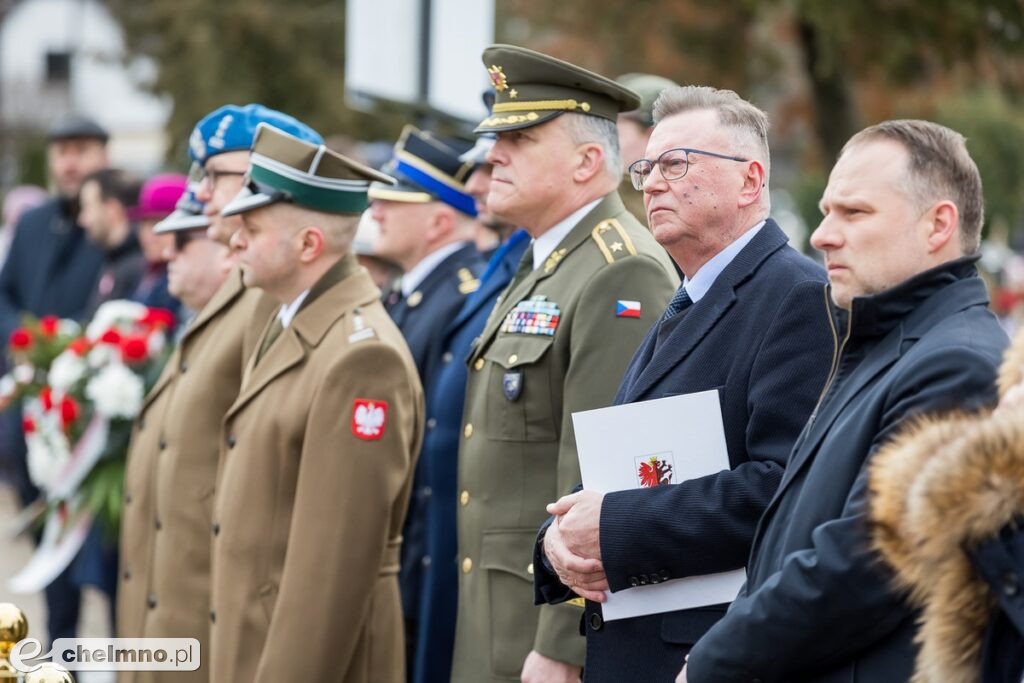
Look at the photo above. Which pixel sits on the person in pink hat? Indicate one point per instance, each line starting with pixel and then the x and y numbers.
pixel 157 199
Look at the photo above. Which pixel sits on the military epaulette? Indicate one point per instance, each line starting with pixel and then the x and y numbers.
pixel 360 332
pixel 612 240
pixel 467 283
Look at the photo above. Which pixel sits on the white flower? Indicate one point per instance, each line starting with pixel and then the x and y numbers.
pixel 102 354
pixel 156 343
pixel 7 386
pixel 116 391
pixel 111 313
pixel 68 328
pixel 24 373
pixel 67 368
pixel 48 448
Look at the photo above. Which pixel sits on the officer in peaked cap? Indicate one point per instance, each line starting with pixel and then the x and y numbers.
pixel 634 131
pixel 320 446
pixel 427 224
pixel 558 340
pixel 220 144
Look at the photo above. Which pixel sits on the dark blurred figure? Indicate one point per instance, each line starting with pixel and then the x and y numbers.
pixel 106 202
pixel 157 199
pixel 51 269
pixel 17 201
pixel 634 131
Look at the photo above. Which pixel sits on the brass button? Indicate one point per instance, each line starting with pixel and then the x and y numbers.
pixel 468 431
pixel 467 565
pixel 513 358
pixel 529 569
pixel 464 498
pixel 447 357
pixel 479 364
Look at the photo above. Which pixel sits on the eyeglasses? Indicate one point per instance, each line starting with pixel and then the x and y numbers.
pixel 211 176
pixel 183 237
pixel 673 165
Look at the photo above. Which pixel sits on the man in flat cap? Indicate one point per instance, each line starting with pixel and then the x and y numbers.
pixel 427 222
pixel 51 269
pixel 320 446
pixel 558 341
pixel 635 128
pixel 172 466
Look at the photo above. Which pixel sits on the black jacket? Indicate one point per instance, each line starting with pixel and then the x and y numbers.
pixel 759 336
pixel 818 604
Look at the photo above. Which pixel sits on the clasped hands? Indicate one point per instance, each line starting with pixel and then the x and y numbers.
pixel 572 544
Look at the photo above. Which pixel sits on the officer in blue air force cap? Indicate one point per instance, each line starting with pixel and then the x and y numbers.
pixel 323 439
pixel 220 144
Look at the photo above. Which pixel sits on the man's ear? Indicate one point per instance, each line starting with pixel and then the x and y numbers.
pixel 942 223
pixel 590 162
pixel 312 243
pixel 441 223
pixel 754 184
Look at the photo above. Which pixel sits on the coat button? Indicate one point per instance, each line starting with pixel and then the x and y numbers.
pixel 157 524
pixel 426 561
pixel 512 359
pixel 1011 584
pixel 464 498
pixel 431 423
pixel 163 443
pixel 231 441
pixel 426 492
pixel 127 499
pixel 642 579
pixel 479 364
pixel 529 569
pixel 467 565
pixel 654 578
pixel 127 574
pixel 468 431
pixel 596 622
pixel 447 357
pixel 213 616
pixel 664 574
pixel 184 368
pixel 215 527
pixel 634 582
pixel 151 602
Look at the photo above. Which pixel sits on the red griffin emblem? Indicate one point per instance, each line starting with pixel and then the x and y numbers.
pixel 654 472
pixel 369 418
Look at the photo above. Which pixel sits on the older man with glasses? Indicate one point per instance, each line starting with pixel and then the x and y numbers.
pixel 746 321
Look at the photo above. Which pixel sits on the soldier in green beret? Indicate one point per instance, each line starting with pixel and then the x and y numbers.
pixel 635 129
pixel 558 340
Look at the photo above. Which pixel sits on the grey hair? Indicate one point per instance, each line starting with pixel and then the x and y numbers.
pixel 734 112
pixel 584 128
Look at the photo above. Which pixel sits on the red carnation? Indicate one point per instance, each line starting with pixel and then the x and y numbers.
pixel 28 425
pixel 21 339
pixel 79 347
pixel 48 325
pixel 46 398
pixel 68 410
pixel 111 336
pixel 134 349
pixel 158 317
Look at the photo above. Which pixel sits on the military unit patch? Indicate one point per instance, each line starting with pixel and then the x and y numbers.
pixel 369 418
pixel 512 385
pixel 535 315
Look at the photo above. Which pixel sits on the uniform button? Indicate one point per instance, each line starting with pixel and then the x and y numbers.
pixel 447 357
pixel 426 561
pixel 634 582
pixel 127 574
pixel 1011 584
pixel 213 616
pixel 513 358
pixel 468 431
pixel 464 498
pixel 664 574
pixel 467 565
pixel 163 443
pixel 431 423
pixel 215 527
pixel 479 364
pixel 231 441
pixel 157 524
pixel 151 602
pixel 529 569
pixel 426 492
pixel 596 622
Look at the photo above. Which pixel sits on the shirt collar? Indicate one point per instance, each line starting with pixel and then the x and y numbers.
pixel 287 312
pixel 546 243
pixel 415 276
pixel 701 282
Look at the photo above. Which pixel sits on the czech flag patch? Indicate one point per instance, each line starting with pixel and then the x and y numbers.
pixel 627 309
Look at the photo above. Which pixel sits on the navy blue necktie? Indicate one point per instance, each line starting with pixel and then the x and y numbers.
pixel 680 302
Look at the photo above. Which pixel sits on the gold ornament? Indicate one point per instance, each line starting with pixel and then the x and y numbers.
pixel 13 628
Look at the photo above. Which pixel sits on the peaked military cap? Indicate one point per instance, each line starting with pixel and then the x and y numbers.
pixel 427 169
pixel 232 128
pixel 283 168
pixel 532 88
pixel 188 213
pixel 648 87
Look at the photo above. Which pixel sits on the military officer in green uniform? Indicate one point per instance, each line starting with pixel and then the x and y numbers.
pixel 635 129
pixel 558 340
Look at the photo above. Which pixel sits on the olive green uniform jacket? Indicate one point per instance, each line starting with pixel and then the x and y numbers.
pixel 164 585
pixel 553 345
pixel 314 481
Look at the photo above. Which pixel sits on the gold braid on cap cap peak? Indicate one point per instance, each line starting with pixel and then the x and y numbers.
pixel 544 105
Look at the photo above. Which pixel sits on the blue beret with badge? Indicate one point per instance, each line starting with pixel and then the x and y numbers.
pixel 428 169
pixel 232 128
